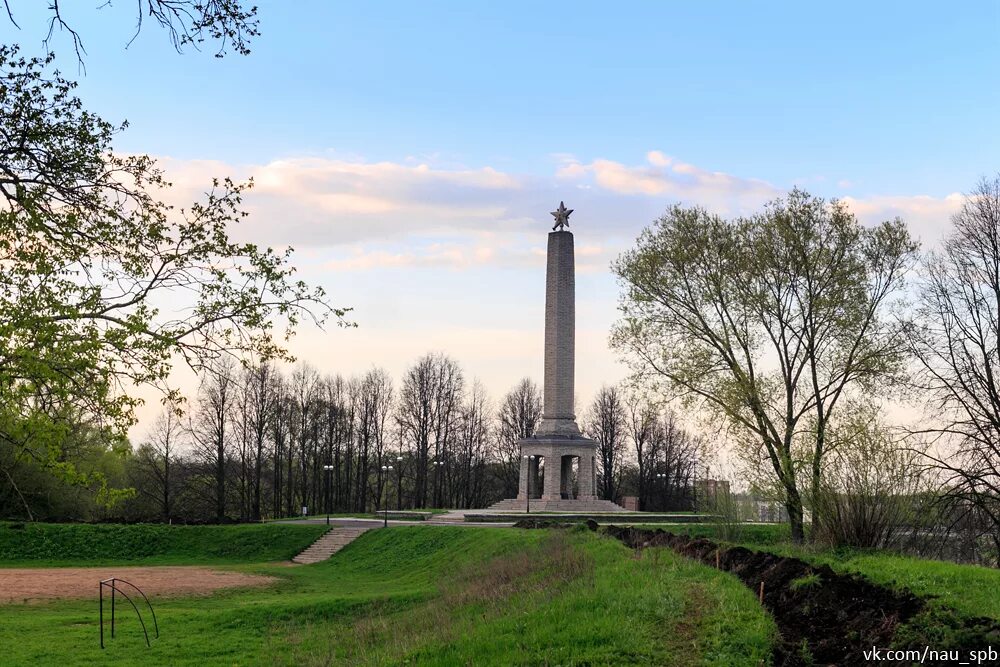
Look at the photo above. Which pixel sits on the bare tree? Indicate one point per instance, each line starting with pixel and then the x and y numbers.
pixel 157 456
pixel 470 459
pixel 956 341
pixel 643 417
pixel 210 428
pixel 606 423
pixel 679 454
pixel 281 457
pixel 304 388
pixel 520 412
pixel 429 408
pixel 374 406
pixel 260 390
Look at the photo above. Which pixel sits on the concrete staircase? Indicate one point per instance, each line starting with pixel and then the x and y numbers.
pixel 539 505
pixel 331 542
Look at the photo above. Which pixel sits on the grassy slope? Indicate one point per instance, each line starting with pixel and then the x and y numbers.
pixel 434 595
pixel 40 544
pixel 969 589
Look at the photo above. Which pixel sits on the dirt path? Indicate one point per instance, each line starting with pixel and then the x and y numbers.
pixel 41 584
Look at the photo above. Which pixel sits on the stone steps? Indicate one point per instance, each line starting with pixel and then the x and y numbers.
pixel 330 543
pixel 539 505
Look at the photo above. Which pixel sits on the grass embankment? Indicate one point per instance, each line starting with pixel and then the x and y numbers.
pixel 80 545
pixel 955 592
pixel 968 589
pixel 434 595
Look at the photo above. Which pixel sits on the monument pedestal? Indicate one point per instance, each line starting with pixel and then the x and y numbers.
pixel 547 468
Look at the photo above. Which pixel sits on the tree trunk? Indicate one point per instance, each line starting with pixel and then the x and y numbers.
pixel 220 482
pixel 793 504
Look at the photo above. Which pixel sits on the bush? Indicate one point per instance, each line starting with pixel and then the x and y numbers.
pixel 872 486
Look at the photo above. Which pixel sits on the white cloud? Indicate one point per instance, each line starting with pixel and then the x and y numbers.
pixel 369 215
pixel 666 177
pixel 929 218
pixel 390 239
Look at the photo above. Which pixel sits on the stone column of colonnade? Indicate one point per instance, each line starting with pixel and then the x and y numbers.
pixel 586 477
pixel 552 473
pixel 522 481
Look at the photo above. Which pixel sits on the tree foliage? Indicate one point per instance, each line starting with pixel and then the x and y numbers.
pixel 228 23
pixel 105 285
pixel 768 322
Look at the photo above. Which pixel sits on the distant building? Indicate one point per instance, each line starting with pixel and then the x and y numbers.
pixel 711 487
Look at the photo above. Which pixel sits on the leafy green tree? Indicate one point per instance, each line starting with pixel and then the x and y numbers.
pixel 106 286
pixel 768 322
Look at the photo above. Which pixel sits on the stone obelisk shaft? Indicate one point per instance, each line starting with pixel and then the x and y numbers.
pixel 558 418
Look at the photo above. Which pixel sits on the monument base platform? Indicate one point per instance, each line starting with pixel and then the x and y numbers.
pixel 575 505
pixel 558 469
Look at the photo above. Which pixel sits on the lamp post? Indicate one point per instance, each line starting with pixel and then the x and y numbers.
pixel 385 507
pixel 328 469
pixel 437 479
pixel 399 483
pixel 662 476
pixel 527 496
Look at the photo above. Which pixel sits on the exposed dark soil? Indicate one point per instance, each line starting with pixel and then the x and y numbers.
pixel 824 618
pixel 549 523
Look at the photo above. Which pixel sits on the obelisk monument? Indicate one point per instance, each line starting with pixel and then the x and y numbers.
pixel 548 456
pixel 560 332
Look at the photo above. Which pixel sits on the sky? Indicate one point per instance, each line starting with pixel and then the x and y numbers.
pixel 411 152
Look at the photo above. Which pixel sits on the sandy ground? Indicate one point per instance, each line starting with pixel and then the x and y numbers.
pixel 40 584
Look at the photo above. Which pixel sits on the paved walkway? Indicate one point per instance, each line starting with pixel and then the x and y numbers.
pixel 377 523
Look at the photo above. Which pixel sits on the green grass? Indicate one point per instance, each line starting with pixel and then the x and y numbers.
pixel 41 544
pixel 437 596
pixel 805 582
pixel 956 592
pixel 969 589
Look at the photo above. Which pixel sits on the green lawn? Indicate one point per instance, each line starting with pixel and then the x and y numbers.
pixel 438 596
pixel 47 544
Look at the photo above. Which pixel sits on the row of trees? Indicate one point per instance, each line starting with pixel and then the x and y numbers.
pixel 257 442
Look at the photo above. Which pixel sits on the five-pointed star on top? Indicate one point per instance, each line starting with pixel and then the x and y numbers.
pixel 562 216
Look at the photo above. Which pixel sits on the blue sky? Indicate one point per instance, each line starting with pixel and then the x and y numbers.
pixel 411 151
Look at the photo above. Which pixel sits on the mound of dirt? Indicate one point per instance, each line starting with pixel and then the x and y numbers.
pixel 823 617
pixel 41 584
pixel 541 523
